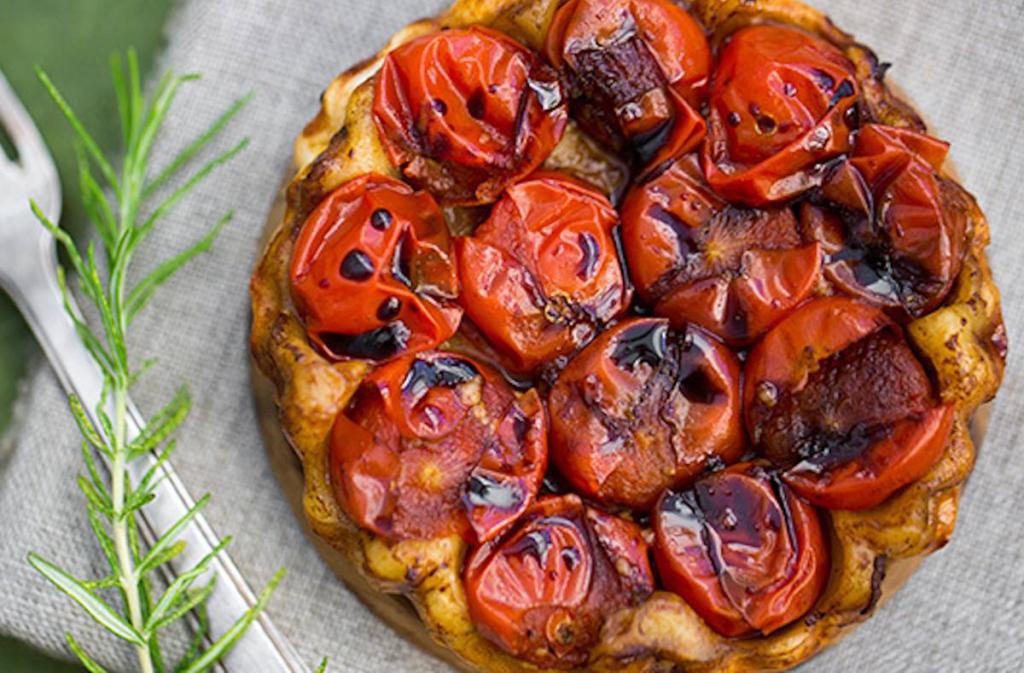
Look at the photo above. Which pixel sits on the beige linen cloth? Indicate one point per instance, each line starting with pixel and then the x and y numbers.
pixel 962 61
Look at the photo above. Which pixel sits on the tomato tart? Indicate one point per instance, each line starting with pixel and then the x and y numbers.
pixel 626 335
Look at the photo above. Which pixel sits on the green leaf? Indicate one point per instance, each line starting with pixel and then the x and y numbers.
pixel 227 641
pixel 85 426
pixel 185 603
pixel 94 474
pixel 133 541
pixel 199 635
pixel 102 613
pixel 97 498
pixel 170 537
pixel 162 425
pixel 135 95
pixel 104 419
pixel 169 553
pixel 189 185
pixel 322 668
pixel 108 582
pixel 145 289
pixel 145 594
pixel 175 593
pixel 89 339
pixel 151 478
pixel 90 145
pixel 87 661
pixel 137 375
pixel 121 94
pixel 137 499
pixel 197 145
pixel 94 201
pixel 103 537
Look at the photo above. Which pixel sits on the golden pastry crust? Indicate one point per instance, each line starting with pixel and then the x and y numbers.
pixel 873 551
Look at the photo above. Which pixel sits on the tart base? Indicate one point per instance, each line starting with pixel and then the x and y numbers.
pixel 416 587
pixel 396 610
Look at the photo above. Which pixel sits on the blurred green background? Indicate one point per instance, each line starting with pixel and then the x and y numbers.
pixel 72 40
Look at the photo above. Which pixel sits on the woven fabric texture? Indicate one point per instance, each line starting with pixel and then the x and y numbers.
pixel 959 60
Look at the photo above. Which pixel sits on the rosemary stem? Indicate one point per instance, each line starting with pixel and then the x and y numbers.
pixel 126 560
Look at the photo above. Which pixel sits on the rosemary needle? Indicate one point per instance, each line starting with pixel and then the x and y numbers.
pixel 123 210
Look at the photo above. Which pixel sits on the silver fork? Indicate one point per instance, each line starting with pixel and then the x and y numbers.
pixel 28 274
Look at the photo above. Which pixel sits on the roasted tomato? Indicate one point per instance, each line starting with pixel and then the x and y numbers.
pixel 643 409
pixel 542 591
pixel 466 112
pixel 894 229
pixel 543 274
pixel 639 70
pixel 697 259
pixel 782 102
pixel 435 444
pixel 743 550
pixel 835 395
pixel 372 275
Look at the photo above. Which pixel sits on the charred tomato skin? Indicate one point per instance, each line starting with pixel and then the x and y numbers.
pixel 742 549
pixel 464 112
pixel 644 408
pixel 639 71
pixel 543 274
pixel 893 226
pixel 835 396
pixel 696 259
pixel 436 444
pixel 372 275
pixel 542 590
pixel 782 101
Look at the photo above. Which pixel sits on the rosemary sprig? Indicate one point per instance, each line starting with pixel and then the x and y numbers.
pixel 122 208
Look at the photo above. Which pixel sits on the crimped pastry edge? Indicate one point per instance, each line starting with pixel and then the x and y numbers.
pixel 873 552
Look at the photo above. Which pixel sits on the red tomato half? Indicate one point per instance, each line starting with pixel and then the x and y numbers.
pixel 436 444
pixel 639 70
pixel 896 234
pixel 745 552
pixel 542 274
pixel 372 275
pixel 696 259
pixel 643 409
pixel 542 591
pixel 781 103
pixel 465 112
pixel 835 395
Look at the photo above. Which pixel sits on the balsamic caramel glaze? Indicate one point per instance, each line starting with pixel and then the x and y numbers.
pixel 381 219
pixel 378 344
pixel 357 266
pixel 486 491
pixel 447 372
pixel 645 343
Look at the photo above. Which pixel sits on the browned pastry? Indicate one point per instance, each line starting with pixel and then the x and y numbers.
pixel 786 214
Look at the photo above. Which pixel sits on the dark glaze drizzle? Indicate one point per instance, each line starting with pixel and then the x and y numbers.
pixel 448 372
pixel 486 491
pixel 645 343
pixel 548 93
pixel 381 219
pixel 591 252
pixel 379 344
pixel 400 262
pixel 536 543
pixel 357 266
pixel 389 309
pixel 476 104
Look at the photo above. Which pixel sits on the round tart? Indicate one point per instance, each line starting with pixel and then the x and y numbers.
pixel 626 335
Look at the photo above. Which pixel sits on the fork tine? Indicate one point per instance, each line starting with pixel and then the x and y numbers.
pixel 33 156
pixel 14 117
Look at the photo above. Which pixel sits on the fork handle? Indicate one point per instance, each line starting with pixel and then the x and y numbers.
pixel 262 648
